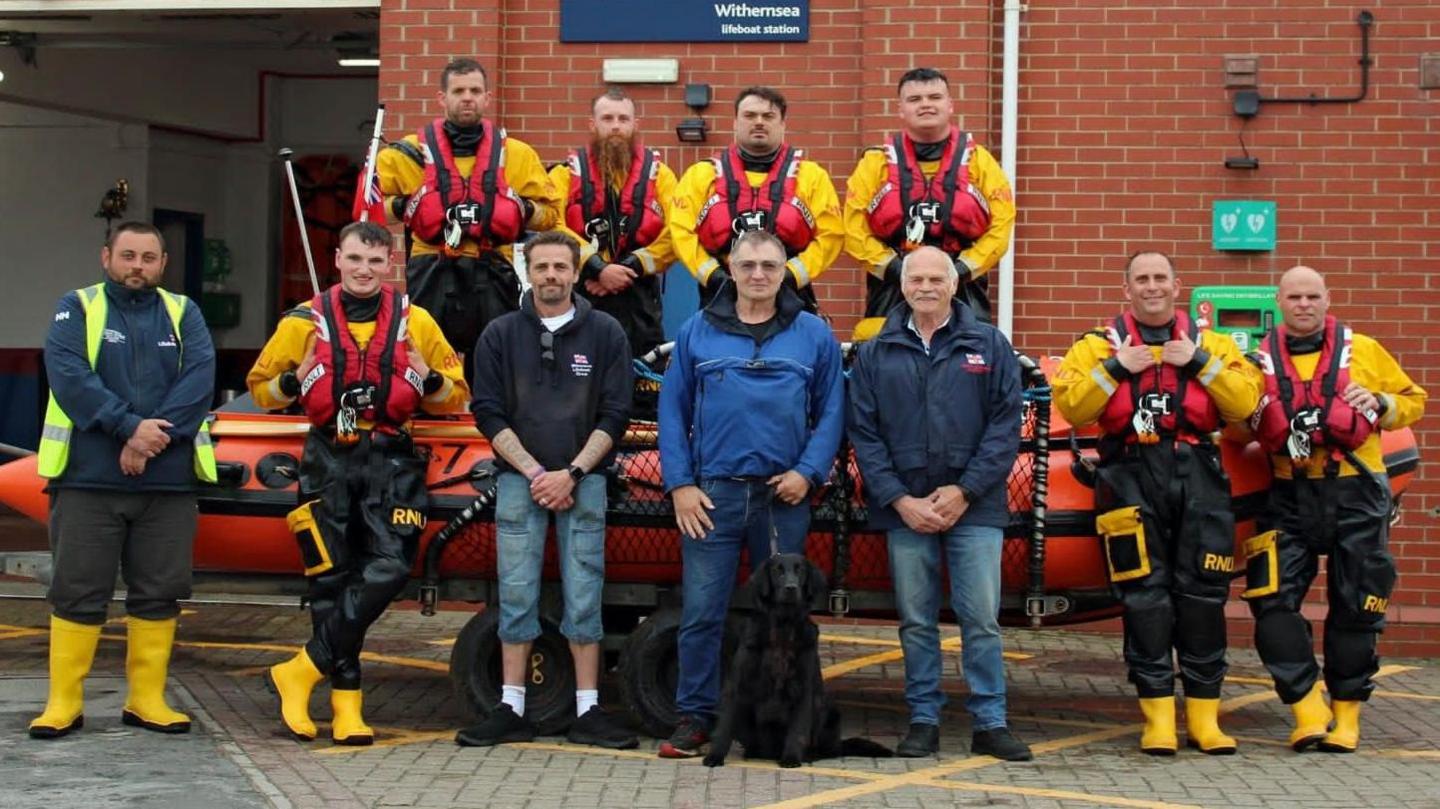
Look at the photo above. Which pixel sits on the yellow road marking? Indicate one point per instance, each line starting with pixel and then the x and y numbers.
pixel 1059 794
pixel 859 641
pixel 442 642
pixel 844 667
pixel 394 660
pixel 21 633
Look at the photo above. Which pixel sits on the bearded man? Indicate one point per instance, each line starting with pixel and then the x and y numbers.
pixel 614 190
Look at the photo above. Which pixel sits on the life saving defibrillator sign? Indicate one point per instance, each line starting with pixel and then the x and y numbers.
pixel 684 20
pixel 1242 225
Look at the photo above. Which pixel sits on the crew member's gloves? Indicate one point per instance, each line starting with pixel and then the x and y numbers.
pixel 289 384
pixel 592 267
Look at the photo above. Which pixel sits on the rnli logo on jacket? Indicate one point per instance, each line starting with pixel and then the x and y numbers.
pixel 59 316
pixel 1375 604
pixel 407 516
pixel 112 336
pixel 311 378
pixel 1219 564
pixel 975 364
pixel 580 365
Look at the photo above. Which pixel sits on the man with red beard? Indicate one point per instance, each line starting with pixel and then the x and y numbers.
pixel 614 190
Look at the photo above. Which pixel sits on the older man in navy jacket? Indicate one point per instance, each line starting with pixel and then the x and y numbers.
pixel 935 421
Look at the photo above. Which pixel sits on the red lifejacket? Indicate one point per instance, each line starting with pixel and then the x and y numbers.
pixel 341 365
pixel 1315 408
pixel 1159 389
pixel 953 210
pixel 494 214
pixel 736 207
pixel 634 223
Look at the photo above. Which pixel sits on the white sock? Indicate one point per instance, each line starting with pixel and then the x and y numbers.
pixel 514 696
pixel 585 700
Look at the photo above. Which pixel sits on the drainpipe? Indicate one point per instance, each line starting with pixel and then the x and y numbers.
pixel 1009 123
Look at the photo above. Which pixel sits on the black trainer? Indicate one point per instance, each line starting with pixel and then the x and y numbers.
pixel 922 740
pixel 501 726
pixel 689 737
pixel 1000 743
pixel 599 729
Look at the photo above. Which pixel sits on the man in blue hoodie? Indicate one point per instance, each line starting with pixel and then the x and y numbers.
pixel 132 373
pixel 751 413
pixel 935 420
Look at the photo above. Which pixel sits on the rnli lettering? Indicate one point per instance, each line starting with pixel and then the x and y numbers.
pixel 1216 562
pixel 1375 604
pixel 407 516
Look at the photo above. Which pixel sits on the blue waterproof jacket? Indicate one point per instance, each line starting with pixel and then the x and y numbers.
pixel 732 405
pixel 139 374
pixel 922 420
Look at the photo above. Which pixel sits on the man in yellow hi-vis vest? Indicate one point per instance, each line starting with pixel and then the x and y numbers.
pixel 132 373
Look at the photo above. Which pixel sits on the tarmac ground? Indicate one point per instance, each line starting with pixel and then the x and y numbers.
pixel 1068 698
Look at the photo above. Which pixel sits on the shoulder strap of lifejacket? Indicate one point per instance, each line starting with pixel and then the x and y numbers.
pixel 490 181
pixel 387 354
pixel 587 181
pixel 1282 365
pixel 1338 345
pixel 732 178
pixel 329 304
pixel 779 178
pixel 442 167
pixel 637 198
pixel 959 155
pixel 907 180
pixel 1181 379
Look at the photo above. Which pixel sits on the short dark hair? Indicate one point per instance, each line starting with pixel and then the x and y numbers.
pixel 1138 253
pixel 923 75
pixel 552 237
pixel 615 94
pixel 765 93
pixel 134 227
pixel 459 67
pixel 373 234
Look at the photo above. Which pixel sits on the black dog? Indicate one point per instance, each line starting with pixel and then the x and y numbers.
pixel 774 702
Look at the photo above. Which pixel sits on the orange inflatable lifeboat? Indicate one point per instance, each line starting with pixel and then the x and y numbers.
pixel 1053 570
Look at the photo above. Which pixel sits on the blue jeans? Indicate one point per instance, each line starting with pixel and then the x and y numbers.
pixel 744 512
pixel 973 557
pixel 520 551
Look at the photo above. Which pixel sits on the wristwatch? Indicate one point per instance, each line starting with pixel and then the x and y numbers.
pixel 576 473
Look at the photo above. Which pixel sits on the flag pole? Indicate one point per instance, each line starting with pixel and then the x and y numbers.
pixel 370 162
pixel 285 155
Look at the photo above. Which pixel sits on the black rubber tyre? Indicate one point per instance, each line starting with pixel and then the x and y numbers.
pixel 649 666
pixel 550 683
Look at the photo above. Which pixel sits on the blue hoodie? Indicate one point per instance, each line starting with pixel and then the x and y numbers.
pixel 139 374
pixel 732 405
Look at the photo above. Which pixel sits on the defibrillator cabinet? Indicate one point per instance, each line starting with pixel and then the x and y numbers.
pixel 1243 313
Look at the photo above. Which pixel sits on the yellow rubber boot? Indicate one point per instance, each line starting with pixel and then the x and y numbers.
pixel 1202 727
pixel 147 661
pixel 1346 735
pixel 1312 720
pixel 1159 738
pixel 72 651
pixel 348 727
pixel 293 681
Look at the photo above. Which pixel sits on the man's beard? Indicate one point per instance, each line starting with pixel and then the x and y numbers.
pixel 614 154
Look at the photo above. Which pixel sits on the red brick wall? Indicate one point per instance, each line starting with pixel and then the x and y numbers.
pixel 1125 123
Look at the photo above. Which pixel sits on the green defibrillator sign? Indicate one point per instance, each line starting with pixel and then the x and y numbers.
pixel 1242 313
pixel 1242 225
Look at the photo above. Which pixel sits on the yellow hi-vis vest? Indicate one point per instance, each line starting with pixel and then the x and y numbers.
pixel 54 451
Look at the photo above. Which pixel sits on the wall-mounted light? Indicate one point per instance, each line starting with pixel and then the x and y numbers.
pixel 356 49
pixel 693 130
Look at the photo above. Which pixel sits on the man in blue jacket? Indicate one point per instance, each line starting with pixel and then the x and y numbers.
pixel 751 412
pixel 935 420
pixel 132 373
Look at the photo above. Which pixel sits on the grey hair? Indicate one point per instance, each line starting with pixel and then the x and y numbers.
pixel 905 262
pixel 755 238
